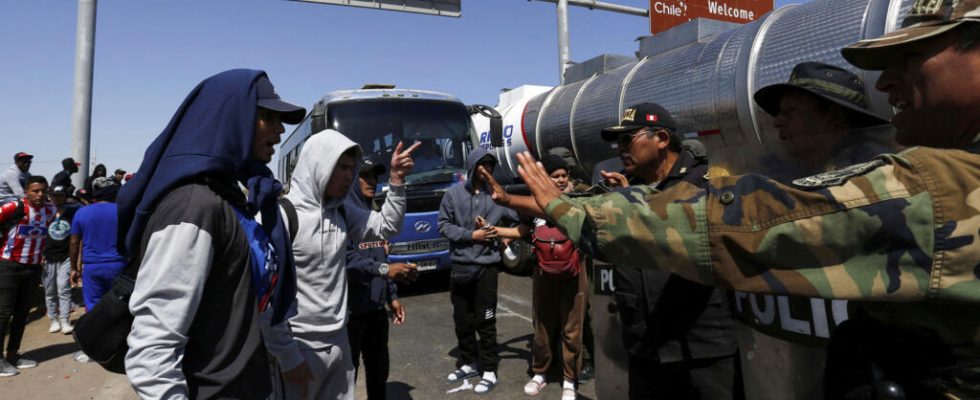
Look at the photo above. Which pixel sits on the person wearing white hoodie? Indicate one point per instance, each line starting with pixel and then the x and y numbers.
pixel 313 351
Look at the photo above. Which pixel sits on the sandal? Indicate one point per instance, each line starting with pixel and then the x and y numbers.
pixel 484 386
pixel 568 394
pixel 533 387
pixel 460 374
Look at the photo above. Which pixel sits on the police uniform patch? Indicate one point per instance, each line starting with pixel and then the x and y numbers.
pixel 837 177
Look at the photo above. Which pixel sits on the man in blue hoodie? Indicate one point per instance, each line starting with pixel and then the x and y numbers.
pixel 370 286
pixel 206 267
pixel 467 217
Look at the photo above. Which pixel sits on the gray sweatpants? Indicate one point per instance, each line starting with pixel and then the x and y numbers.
pixel 333 372
pixel 57 289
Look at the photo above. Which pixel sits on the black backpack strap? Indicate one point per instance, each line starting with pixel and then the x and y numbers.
pixel 291 218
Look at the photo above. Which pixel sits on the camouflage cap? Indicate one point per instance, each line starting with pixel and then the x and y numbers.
pixel 926 19
pixel 829 82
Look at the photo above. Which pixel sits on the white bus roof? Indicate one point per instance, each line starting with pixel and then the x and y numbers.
pixel 361 94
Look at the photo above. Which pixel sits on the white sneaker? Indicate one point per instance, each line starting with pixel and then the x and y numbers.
pixel 55 326
pixel 66 326
pixel 25 363
pixel 6 369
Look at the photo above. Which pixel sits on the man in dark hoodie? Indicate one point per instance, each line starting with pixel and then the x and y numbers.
pixel 63 178
pixel 473 248
pixel 206 267
pixel 370 286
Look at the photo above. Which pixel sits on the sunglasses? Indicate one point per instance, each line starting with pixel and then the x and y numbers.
pixel 625 140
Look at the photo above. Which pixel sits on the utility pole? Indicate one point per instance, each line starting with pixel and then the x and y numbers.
pixel 563 51
pixel 81 114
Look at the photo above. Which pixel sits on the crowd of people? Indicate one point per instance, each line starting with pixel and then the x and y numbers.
pixel 49 233
pixel 242 291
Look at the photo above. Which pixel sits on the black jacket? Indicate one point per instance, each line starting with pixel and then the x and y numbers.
pixel 674 318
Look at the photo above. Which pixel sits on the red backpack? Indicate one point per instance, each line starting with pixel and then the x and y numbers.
pixel 556 254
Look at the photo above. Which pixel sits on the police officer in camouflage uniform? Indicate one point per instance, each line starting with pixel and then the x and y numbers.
pixel 902 231
pixel 678 334
pixel 823 120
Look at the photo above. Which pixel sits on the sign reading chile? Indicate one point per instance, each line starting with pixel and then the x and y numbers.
pixel 665 14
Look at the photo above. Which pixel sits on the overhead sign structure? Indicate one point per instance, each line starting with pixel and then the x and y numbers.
pixel 665 14
pixel 445 8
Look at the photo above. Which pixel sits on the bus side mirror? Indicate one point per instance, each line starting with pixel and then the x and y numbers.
pixel 496 122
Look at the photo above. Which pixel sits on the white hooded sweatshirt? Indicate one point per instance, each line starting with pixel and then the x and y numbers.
pixel 320 245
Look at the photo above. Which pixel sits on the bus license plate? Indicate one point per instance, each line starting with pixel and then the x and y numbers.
pixel 426 265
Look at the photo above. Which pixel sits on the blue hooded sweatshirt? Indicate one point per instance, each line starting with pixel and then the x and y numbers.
pixel 457 213
pixel 186 223
pixel 367 290
pixel 211 135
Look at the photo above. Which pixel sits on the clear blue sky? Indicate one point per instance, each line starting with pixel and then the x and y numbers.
pixel 150 54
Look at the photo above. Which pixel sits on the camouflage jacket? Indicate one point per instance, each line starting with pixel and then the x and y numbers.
pixel 900 228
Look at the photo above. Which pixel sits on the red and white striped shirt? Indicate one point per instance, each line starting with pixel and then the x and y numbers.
pixel 24 242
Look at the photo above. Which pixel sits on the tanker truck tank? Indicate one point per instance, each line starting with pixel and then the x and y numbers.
pixel 705 73
pixel 511 106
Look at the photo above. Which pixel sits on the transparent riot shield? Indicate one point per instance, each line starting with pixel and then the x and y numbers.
pixel 782 339
pixel 609 355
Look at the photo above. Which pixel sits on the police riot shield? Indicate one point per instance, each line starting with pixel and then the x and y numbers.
pixel 783 339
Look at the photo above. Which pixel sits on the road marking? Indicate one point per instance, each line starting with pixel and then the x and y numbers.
pixel 508 312
pixel 513 299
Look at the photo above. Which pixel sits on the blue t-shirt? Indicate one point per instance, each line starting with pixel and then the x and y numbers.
pixel 97 225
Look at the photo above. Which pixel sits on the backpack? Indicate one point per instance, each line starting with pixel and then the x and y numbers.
pixel 556 253
pixel 102 331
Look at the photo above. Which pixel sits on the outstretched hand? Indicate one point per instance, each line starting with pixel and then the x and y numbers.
pixel 402 163
pixel 537 179
pixel 497 192
pixel 615 179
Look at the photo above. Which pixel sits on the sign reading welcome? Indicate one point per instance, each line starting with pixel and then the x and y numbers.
pixel 665 14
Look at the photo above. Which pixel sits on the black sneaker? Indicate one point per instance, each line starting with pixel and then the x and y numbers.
pixel 6 369
pixel 588 371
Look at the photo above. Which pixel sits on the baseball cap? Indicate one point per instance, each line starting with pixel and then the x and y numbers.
pixel 60 190
pixel 288 112
pixel 826 81
pixel 639 116
pixel 104 188
pixel 926 19
pixel 69 162
pixel 22 156
pixel 370 164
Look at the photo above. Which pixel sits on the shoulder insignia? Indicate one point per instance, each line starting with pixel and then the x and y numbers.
pixel 837 177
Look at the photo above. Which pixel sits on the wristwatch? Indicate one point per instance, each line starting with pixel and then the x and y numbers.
pixel 383 269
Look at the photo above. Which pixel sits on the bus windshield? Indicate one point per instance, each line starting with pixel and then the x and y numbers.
pixel 378 125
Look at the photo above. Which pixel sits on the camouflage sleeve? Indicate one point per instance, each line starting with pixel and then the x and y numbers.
pixel 641 227
pixel 900 228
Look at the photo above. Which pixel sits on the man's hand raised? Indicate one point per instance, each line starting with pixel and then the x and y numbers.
pixel 402 163
pixel 497 192
pixel 537 179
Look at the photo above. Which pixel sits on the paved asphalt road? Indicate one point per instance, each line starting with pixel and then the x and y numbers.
pixel 423 352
